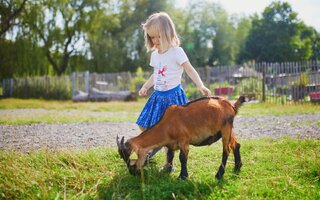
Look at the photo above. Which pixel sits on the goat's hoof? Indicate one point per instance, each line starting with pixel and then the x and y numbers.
pixel 181 177
pixel 219 176
pixel 237 167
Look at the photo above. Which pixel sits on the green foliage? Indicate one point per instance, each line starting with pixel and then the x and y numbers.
pixel 278 36
pixel 303 79
pixel 106 36
pixel 138 80
pixel 21 58
pixel 270 167
pixel 249 86
pixel 42 87
pixel 192 92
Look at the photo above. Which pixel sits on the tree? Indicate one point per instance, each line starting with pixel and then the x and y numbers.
pixel 21 58
pixel 197 30
pixel 224 43
pixel 118 45
pixel 210 36
pixel 277 36
pixel 9 12
pixel 18 54
pixel 59 25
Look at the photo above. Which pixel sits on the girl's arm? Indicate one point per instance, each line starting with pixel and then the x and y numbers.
pixel 193 74
pixel 148 84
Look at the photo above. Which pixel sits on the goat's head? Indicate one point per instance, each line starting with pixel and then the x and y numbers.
pixel 125 151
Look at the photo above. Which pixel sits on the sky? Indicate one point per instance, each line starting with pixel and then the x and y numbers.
pixel 308 10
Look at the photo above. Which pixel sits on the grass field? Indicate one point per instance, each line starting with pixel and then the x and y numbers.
pixel 272 169
pixel 283 168
pixel 68 111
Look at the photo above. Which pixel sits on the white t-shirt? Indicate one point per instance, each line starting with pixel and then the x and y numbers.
pixel 167 68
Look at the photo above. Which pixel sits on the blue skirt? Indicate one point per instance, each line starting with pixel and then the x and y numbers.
pixel 157 104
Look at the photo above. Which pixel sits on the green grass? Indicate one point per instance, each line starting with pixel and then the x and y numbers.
pixel 111 106
pixel 278 109
pixel 51 111
pixel 272 168
pixel 19 117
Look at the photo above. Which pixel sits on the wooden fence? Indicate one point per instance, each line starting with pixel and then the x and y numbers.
pixel 269 82
pixel 44 87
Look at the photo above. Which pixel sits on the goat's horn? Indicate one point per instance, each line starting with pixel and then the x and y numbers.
pixel 122 140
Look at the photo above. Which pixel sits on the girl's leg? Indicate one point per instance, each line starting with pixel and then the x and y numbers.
pixel 142 129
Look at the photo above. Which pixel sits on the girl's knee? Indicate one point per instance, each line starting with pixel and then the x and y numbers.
pixel 141 128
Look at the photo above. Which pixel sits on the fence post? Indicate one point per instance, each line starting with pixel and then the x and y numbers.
pixel 7 87
pixel 86 81
pixel 207 74
pixel 3 88
pixel 264 66
pixel 73 83
pixel 11 87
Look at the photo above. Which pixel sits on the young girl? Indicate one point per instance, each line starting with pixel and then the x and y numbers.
pixel 168 61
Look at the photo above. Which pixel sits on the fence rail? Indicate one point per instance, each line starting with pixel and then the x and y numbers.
pixel 270 82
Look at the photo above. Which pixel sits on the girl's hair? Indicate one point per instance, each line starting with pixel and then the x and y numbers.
pixel 161 23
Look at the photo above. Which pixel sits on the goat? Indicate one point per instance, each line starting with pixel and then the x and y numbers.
pixel 200 122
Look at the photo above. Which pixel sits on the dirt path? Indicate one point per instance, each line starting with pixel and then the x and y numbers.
pixel 87 135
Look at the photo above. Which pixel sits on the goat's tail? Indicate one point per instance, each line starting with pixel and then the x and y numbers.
pixel 238 103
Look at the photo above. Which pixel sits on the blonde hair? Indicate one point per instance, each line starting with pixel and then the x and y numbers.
pixel 162 24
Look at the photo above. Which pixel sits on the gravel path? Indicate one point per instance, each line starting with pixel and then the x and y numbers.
pixel 87 135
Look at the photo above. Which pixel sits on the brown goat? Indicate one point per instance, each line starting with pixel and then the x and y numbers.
pixel 200 122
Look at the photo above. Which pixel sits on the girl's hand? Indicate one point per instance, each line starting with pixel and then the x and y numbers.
pixel 205 91
pixel 143 92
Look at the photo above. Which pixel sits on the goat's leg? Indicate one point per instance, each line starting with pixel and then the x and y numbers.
pixel 235 146
pixel 151 154
pixel 226 133
pixel 184 151
pixel 168 166
pixel 142 155
pixel 222 165
pixel 237 158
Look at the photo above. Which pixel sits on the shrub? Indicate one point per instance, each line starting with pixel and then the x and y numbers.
pixel 138 81
pixel 47 87
pixel 251 87
pixel 192 92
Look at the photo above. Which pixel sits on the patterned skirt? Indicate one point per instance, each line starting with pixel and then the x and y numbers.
pixel 157 104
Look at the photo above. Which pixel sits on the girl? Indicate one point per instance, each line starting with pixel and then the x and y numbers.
pixel 168 61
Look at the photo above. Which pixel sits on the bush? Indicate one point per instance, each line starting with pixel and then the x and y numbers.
pixel 192 92
pixel 138 81
pixel 47 87
pixel 251 87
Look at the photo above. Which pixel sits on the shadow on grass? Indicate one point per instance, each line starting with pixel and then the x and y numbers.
pixel 156 185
